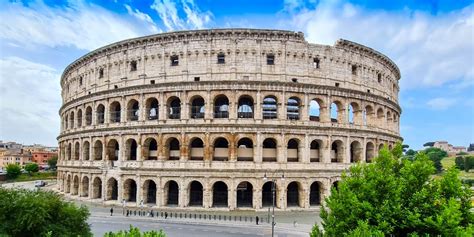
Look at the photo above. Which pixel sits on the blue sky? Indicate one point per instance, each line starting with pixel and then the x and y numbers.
pixel 431 41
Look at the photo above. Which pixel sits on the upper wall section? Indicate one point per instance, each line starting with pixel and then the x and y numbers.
pixel 230 54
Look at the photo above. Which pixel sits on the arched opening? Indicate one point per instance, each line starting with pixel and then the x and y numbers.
pixel 336 111
pixel 131 150
pixel 150 149
pixel 113 150
pixel 174 105
pixel 115 110
pixel 171 193
pixel 197 108
pixel 270 108
pixel 133 110
pixel 69 152
pixel 149 192
pixel 97 188
pixel 351 113
pixel 100 114
pixel 267 194
pixel 79 118
pixel 292 151
pixel 152 108
pixel 75 185
pixel 390 147
pixel 244 194
pixel 68 184
pixel 356 152
pixel 293 108
pixel 293 195
pixel 337 151
pixel 368 115
pixel 98 148
pixel 112 189
pixel 389 120
pixel 315 110
pixel 197 149
pixel 380 117
pixel 88 116
pixel 221 149
pixel 315 152
pixel 335 185
pixel 269 150
pixel 130 190
pixel 76 151
pixel 85 187
pixel 369 152
pixel 71 120
pixel 245 107
pixel 220 194
pixel 66 121
pixel 86 150
pixel 315 194
pixel 381 145
pixel 173 149
pixel 195 194
pixel 245 150
pixel 221 107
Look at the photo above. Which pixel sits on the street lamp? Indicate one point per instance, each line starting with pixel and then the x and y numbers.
pixel 273 196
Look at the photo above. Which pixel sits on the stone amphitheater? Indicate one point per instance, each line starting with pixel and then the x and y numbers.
pixel 209 119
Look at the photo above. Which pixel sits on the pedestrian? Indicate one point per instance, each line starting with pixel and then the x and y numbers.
pixel 111 211
pixel 166 215
pixel 256 219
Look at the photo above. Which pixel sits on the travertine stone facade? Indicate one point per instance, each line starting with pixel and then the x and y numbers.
pixel 198 119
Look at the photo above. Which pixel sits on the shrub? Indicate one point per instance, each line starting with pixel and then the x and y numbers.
pixel 28 213
pixel 135 232
pixel 31 168
pixel 13 171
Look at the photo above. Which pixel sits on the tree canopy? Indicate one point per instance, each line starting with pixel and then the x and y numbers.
pixel 53 162
pixel 398 197
pixel 13 171
pixel 28 213
pixel 135 232
pixel 31 168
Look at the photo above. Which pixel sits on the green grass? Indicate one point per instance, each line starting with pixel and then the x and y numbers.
pixel 449 162
pixel 35 176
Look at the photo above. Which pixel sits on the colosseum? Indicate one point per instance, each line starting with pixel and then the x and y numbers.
pixel 209 119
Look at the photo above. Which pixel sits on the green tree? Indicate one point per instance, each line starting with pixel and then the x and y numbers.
pixel 28 213
pixel 398 197
pixel 53 162
pixel 13 171
pixel 436 155
pixel 459 161
pixel 135 232
pixel 31 168
pixel 429 144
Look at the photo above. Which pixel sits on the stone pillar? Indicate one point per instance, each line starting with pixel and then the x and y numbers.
pixel 257 196
pixel 185 107
pixel 207 148
pixel 184 148
pixel 258 107
pixel 183 194
pixel 232 147
pixel 282 107
pixel 281 195
pixel 140 189
pixel 123 111
pixel 326 148
pixel 232 200
pixel 257 149
pixel 282 153
pixel 305 108
pixel 347 150
pixel 120 189
pixel 162 108
pixel 207 197
pixel 305 151
pixel 209 108
pixel 159 192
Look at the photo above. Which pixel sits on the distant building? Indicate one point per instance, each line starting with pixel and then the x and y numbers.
pixel 41 157
pixel 15 158
pixel 450 149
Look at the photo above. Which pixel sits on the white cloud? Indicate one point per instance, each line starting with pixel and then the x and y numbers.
pixel 168 12
pixel 441 103
pixel 143 17
pixel 29 101
pixel 431 50
pixel 79 24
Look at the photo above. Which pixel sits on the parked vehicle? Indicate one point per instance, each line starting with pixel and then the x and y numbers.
pixel 40 183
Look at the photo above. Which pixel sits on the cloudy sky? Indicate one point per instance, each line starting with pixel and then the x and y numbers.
pixel 431 41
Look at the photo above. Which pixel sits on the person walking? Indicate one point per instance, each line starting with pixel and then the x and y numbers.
pixel 256 219
pixel 111 211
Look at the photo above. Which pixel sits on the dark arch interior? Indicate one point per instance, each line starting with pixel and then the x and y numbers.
pixel 173 193
pixel 219 195
pixel 315 194
pixel 245 195
pixel 267 194
pixel 195 194
pixel 292 195
pixel 221 107
pixel 150 192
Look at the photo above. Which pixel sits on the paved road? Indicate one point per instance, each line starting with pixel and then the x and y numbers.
pixel 102 224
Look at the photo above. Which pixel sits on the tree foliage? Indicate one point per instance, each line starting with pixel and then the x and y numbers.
pixel 429 144
pixel 135 232
pixel 31 168
pixel 436 155
pixel 28 213
pixel 398 197
pixel 465 163
pixel 13 171
pixel 53 162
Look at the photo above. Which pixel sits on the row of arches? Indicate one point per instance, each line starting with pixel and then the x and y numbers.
pixel 245 107
pixel 220 194
pixel 219 149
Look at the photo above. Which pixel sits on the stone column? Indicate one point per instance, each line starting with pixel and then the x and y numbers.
pixel 282 153
pixel 258 107
pixel 209 108
pixel 232 200
pixel 305 108
pixel 257 149
pixel 183 194
pixel 184 151
pixel 162 108
pixel 159 192
pixel 347 150
pixel 207 197
pixel 140 190
pixel 326 148
pixel 232 147
pixel 305 151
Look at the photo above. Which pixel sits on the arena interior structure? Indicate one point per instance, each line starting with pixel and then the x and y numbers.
pixel 207 119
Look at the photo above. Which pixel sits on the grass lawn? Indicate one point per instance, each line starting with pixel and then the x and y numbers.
pixel 35 176
pixel 449 162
